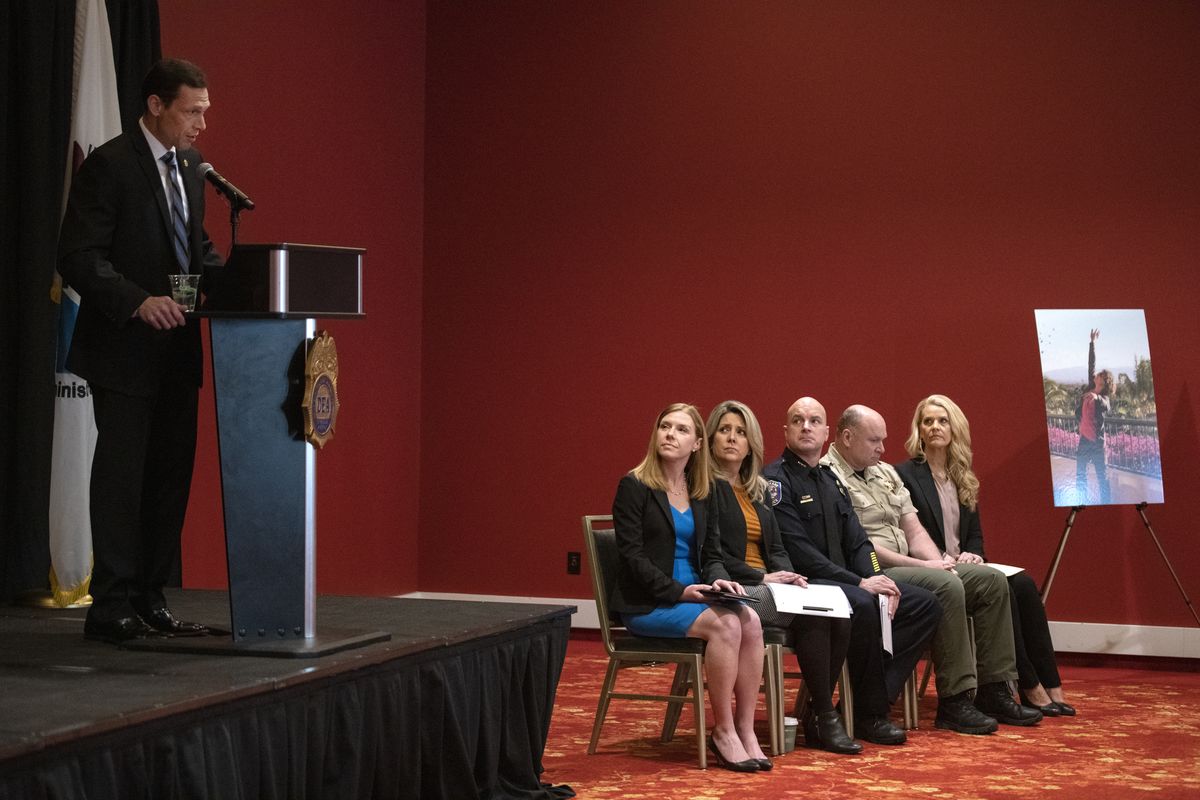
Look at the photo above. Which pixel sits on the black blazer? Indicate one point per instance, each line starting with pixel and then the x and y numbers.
pixel 919 480
pixel 732 525
pixel 115 249
pixel 645 534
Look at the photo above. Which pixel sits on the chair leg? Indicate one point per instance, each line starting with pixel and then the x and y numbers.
pixel 674 707
pixel 773 685
pixel 610 681
pixel 801 699
pixel 911 709
pixel 781 689
pixel 697 670
pixel 925 677
pixel 847 698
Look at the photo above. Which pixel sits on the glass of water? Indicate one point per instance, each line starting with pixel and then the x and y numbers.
pixel 184 289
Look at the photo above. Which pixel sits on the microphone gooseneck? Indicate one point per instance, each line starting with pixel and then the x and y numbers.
pixel 234 195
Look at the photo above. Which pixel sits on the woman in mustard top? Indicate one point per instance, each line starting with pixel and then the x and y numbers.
pixel 754 556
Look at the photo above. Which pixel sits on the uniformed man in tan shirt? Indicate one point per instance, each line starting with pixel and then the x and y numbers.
pixel 909 555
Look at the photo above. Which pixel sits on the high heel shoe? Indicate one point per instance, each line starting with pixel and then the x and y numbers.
pixel 749 765
pixel 1063 709
pixel 826 732
pixel 1048 710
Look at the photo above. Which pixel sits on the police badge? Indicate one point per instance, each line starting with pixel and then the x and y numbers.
pixel 775 492
pixel 320 403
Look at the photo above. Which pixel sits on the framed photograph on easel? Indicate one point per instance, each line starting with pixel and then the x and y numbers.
pixel 1101 417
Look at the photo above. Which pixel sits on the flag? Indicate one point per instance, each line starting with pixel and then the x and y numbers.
pixel 95 118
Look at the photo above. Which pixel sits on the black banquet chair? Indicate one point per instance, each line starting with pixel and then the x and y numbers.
pixel 626 650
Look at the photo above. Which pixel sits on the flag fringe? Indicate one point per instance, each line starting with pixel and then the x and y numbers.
pixel 66 596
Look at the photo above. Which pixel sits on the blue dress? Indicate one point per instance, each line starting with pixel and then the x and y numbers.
pixel 673 621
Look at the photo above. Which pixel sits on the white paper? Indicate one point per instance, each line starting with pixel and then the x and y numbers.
pixel 816 599
pixel 1008 571
pixel 885 622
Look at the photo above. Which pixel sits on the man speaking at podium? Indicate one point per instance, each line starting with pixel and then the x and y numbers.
pixel 134 216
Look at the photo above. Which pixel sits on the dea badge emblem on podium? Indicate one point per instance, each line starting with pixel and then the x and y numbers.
pixel 320 402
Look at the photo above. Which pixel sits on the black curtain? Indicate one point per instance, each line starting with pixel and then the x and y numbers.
pixel 136 45
pixel 37 41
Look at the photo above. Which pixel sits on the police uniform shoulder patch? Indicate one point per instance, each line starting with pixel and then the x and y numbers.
pixel 775 492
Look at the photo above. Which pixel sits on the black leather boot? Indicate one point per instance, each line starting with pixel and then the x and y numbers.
pixel 957 713
pixel 825 731
pixel 996 701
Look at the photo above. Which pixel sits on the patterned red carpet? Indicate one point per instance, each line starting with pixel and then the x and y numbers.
pixel 1137 735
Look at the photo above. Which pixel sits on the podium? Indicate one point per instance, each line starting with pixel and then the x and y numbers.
pixel 262 314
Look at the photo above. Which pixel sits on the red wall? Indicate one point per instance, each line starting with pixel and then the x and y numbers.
pixel 633 204
pixel 630 204
pixel 318 114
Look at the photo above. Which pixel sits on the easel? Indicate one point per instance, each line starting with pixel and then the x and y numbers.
pixel 1062 545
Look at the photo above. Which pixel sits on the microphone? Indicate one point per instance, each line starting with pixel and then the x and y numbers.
pixel 235 195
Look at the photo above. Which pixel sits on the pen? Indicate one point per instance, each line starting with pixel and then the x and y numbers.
pixel 815 608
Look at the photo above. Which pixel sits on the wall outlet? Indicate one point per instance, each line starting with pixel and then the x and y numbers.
pixel 573 562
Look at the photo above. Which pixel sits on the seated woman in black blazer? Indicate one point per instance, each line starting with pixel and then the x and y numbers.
pixel 945 491
pixel 666 540
pixel 754 555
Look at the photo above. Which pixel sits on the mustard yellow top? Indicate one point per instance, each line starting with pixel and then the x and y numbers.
pixel 753 530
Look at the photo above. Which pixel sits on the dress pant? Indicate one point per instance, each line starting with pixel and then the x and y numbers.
pixel 980 592
pixel 1031 635
pixel 876 678
pixel 141 477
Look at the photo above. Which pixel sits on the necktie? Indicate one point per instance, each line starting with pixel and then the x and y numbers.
pixel 178 225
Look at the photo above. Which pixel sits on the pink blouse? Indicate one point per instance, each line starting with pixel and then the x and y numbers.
pixel 948 495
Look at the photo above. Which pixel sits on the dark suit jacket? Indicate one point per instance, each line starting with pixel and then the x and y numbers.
pixel 732 524
pixel 919 480
pixel 115 249
pixel 645 532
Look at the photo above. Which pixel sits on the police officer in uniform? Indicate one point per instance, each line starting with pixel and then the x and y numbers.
pixel 826 542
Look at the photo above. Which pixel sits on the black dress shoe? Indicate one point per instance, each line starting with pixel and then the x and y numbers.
pixel 996 701
pixel 879 730
pixel 749 765
pixel 118 630
pixel 764 764
pixel 1063 709
pixel 957 714
pixel 1048 710
pixel 161 619
pixel 825 731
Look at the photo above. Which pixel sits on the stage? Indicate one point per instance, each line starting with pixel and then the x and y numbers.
pixel 456 704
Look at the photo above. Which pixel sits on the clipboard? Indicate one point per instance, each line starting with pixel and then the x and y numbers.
pixel 727 597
